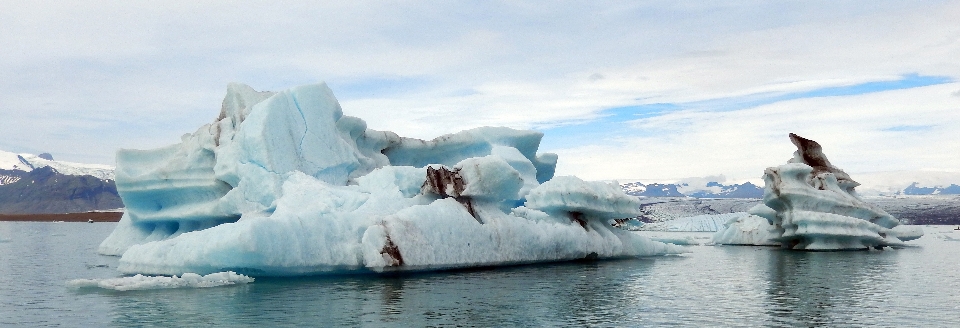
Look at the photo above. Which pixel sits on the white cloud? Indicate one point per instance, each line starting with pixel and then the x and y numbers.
pixel 740 144
pixel 84 78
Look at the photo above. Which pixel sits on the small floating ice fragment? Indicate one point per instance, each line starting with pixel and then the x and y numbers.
pixel 141 282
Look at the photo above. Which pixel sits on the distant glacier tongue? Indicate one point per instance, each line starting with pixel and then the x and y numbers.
pixel 285 184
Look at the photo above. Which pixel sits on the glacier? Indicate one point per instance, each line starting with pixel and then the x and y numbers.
pixel 809 204
pixel 29 162
pixel 284 184
pixel 696 223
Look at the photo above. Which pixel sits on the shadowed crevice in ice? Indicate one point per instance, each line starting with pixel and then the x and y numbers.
pixel 448 183
pixel 284 184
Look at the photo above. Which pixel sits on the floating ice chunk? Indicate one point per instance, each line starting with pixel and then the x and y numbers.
pixel 675 238
pixel 285 184
pixel 747 230
pixel 754 228
pixel 141 282
pixel 906 232
pixel 812 205
pixel 569 194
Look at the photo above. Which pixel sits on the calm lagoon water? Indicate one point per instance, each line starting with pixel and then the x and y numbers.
pixel 709 287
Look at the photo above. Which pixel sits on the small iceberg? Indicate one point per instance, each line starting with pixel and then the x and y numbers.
pixel 141 282
pixel 809 204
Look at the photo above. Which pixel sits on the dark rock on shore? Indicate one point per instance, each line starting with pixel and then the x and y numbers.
pixel 66 217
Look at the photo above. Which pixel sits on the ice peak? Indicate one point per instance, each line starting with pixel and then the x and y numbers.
pixel 239 100
pixel 811 153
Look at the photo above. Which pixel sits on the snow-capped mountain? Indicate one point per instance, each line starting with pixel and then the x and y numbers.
pixel 29 162
pixel 914 189
pixel 651 190
pixel 743 190
pixel 908 183
pixel 695 187
pixel 32 184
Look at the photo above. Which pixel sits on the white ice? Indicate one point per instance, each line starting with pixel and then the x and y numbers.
pixel 13 161
pixel 754 228
pixel 285 184
pixel 141 282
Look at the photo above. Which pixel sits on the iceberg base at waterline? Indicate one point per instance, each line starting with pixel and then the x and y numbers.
pixel 285 184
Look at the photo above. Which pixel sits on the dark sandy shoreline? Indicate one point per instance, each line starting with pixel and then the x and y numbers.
pixel 65 217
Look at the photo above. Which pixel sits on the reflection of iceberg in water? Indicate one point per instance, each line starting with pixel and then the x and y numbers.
pixel 827 288
pixel 810 204
pixel 285 184
pixel 555 294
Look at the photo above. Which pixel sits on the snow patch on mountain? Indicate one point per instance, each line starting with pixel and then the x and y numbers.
pixel 7 178
pixel 28 162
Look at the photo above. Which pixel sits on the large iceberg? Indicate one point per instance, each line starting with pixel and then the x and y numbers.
pixel 285 184
pixel 809 204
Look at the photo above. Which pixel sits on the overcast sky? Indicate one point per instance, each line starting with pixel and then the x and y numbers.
pixel 656 90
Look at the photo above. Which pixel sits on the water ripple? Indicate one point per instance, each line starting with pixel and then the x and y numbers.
pixel 709 287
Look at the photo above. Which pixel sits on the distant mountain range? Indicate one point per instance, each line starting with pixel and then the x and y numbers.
pixel 913 189
pixel 711 189
pixel 873 184
pixel 37 184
